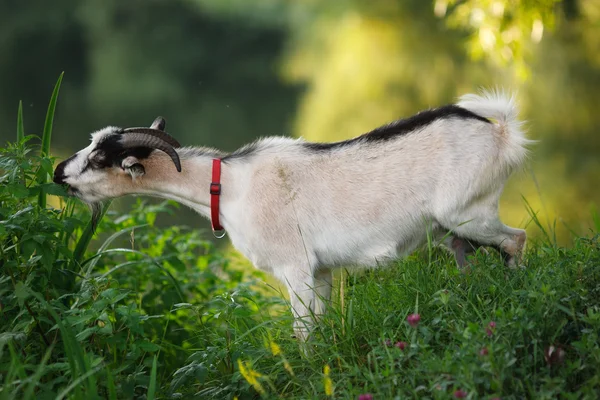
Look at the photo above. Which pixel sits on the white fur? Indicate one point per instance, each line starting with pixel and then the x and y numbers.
pixel 297 213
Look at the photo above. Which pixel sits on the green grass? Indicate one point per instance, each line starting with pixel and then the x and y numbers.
pixel 143 312
pixel 554 301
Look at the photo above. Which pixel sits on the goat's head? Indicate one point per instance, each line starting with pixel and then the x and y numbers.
pixel 109 166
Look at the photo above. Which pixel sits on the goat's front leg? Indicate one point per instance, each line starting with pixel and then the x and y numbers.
pixel 323 286
pixel 300 286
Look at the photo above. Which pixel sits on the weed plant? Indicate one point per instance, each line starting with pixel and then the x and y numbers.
pixel 159 313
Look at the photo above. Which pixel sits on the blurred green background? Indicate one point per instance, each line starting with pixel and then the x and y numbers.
pixel 224 72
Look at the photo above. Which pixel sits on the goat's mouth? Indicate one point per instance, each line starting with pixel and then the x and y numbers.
pixel 96 208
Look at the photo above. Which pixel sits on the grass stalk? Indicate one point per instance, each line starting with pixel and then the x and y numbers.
pixel 152 386
pixel 20 125
pixel 47 136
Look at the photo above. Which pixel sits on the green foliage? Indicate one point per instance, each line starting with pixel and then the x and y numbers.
pixel 502 30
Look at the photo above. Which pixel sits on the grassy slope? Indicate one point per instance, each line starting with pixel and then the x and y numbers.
pixel 555 300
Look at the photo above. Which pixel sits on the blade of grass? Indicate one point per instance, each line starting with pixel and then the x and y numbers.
pixel 89 374
pixel 107 243
pixel 35 378
pixel 50 118
pixel 20 126
pixel 152 386
pixel 110 384
pixel 16 374
pixel 47 135
pixel 148 258
pixel 536 220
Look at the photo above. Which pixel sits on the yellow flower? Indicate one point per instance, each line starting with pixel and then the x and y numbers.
pixel 250 376
pixel 288 367
pixel 327 383
pixel 274 347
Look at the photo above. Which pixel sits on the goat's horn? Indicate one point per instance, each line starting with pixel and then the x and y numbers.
pixel 159 123
pixel 154 132
pixel 140 139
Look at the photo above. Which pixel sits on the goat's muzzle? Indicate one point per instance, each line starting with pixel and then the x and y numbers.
pixel 59 173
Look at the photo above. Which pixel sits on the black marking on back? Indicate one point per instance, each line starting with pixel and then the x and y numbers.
pixel 192 152
pixel 242 152
pixel 402 127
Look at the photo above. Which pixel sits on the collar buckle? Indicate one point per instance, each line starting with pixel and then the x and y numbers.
pixel 215 189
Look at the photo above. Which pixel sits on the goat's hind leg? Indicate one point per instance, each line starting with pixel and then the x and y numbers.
pixel 510 241
pixel 462 247
pixel 481 225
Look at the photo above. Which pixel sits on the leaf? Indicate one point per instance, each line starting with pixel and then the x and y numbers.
pixel 114 295
pixel 47 165
pixel 20 126
pixel 180 306
pixel 148 346
pixel 20 212
pixel 86 333
pixel 18 190
pixel 565 310
pixel 21 292
pixel 85 317
pixel 54 189
pixel 28 248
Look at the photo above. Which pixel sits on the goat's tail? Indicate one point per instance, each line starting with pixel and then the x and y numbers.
pixel 502 107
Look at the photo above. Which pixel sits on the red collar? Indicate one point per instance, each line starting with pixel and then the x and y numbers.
pixel 215 193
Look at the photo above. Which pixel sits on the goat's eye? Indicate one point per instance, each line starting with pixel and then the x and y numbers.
pixel 98 159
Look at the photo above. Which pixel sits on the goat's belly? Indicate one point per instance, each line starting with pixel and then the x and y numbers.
pixel 357 255
pixel 367 254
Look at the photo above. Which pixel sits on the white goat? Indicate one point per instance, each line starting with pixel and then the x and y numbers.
pixel 298 209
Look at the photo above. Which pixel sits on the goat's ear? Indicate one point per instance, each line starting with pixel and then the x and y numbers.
pixel 159 123
pixel 132 166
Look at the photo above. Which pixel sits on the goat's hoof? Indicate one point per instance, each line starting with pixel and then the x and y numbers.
pixel 515 264
pixel 465 269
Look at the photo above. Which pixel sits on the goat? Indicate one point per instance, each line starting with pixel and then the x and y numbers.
pixel 297 209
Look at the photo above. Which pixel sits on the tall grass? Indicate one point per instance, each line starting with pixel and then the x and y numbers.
pixel 20 125
pixel 46 139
